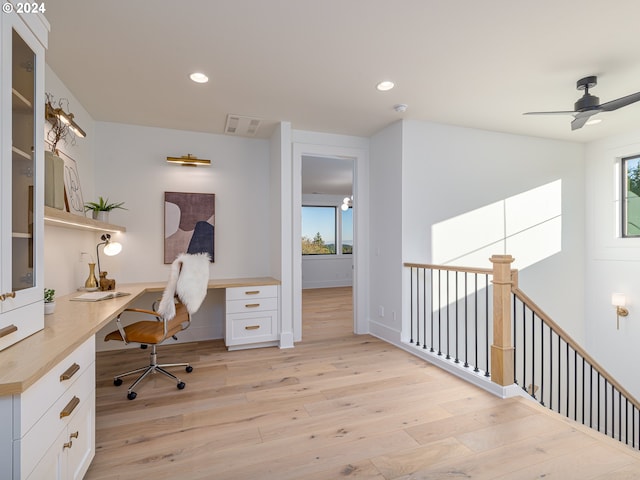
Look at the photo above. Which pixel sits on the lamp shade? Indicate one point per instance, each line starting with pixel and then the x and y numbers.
pixel 618 300
pixel 112 248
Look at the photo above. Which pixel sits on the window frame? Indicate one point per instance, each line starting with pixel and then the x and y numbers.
pixel 624 190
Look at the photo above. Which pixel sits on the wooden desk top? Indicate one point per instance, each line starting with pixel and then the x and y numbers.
pixel 22 364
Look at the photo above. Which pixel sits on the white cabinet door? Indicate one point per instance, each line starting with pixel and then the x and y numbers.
pixel 21 179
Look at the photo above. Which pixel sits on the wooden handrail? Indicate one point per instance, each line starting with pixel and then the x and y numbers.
pixel 573 344
pixel 451 268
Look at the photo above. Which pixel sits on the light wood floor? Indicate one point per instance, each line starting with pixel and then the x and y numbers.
pixel 336 406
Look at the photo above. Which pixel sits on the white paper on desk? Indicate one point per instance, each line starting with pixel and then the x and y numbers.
pixel 97 296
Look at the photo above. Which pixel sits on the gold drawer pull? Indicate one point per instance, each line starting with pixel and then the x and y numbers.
pixel 70 372
pixel 252 305
pixel 252 292
pixel 4 296
pixel 252 327
pixel 71 406
pixel 8 330
pixel 69 444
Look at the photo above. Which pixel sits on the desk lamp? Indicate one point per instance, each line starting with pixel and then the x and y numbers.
pixel 110 249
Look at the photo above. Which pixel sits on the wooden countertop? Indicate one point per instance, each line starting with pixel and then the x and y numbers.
pixel 22 364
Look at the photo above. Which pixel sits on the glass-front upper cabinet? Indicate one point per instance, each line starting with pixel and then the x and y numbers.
pixel 23 42
pixel 23 192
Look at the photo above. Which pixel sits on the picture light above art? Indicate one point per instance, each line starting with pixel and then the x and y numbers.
pixel 189 160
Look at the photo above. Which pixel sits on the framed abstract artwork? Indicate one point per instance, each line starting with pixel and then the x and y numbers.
pixel 189 224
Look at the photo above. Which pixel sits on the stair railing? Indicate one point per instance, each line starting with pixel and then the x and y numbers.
pixel 480 319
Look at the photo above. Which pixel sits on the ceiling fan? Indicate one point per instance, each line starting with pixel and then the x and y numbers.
pixel 588 105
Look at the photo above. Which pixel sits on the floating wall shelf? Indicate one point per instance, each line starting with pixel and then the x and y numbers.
pixel 58 218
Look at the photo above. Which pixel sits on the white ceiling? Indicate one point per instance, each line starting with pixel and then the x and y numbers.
pixel 315 63
pixel 327 176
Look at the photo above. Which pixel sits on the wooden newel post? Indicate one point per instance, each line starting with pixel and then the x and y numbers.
pixel 502 351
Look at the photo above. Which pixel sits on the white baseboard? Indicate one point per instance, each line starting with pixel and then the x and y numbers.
pixel 392 336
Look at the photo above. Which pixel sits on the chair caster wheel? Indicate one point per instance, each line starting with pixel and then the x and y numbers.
pixel 189 369
pixel 117 382
pixel 181 385
pixel 143 346
pixel 131 395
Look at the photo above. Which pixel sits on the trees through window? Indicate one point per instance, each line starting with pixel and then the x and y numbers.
pixel 324 232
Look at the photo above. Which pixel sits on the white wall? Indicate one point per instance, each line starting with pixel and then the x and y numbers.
pixel 131 167
pixel 612 263
pixel 450 171
pixel 386 184
pixel 281 227
pixel 64 270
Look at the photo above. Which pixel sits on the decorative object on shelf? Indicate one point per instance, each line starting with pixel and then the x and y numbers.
pixel 53 180
pixel 189 160
pixel 91 282
pixel 101 208
pixel 49 301
pixel 62 123
pixel 110 249
pixel 189 222
pixel 73 200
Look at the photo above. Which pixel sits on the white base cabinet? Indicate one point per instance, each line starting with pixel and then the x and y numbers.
pixel 251 317
pixel 53 434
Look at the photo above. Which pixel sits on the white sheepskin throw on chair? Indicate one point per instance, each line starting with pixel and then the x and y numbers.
pixel 188 280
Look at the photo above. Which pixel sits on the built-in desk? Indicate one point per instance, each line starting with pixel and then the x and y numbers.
pixel 53 371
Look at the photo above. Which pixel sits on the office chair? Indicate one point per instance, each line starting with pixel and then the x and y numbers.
pixel 182 297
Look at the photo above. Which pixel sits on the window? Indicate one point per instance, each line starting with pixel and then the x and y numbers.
pixel 318 230
pixel 347 231
pixel 324 232
pixel 631 196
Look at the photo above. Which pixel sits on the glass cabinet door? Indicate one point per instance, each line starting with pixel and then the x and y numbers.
pixel 23 198
pixel 21 167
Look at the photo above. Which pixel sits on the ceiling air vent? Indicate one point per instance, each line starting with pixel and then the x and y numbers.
pixel 241 126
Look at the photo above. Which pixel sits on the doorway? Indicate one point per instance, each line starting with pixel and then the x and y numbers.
pixel 355 160
pixel 327 234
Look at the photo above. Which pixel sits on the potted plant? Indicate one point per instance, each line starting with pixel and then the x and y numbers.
pixel 49 300
pixel 101 208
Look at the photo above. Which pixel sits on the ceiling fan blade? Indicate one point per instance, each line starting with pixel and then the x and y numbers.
pixel 569 112
pixel 620 102
pixel 581 118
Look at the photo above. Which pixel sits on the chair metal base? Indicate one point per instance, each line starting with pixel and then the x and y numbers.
pixel 153 367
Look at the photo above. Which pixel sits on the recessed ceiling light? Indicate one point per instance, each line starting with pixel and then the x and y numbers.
pixel 593 121
pixel 385 85
pixel 199 77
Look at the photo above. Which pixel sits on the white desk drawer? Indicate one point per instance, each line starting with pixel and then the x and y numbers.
pixel 56 419
pixel 41 395
pixel 244 328
pixel 259 291
pixel 251 305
